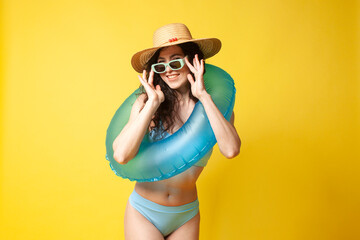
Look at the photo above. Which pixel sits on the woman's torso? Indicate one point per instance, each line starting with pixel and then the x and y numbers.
pixel 179 189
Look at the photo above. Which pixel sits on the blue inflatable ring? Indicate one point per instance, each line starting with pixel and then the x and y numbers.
pixel 170 156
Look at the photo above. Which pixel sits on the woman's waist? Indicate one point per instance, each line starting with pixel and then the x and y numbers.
pixel 166 194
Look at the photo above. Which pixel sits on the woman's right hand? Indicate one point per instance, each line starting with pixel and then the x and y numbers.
pixel 155 95
pixel 127 143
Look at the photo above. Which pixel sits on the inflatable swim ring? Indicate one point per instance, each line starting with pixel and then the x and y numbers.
pixel 170 156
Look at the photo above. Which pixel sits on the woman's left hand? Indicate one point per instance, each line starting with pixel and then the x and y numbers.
pixel 225 133
pixel 197 85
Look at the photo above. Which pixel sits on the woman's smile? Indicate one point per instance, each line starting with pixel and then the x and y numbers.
pixel 172 77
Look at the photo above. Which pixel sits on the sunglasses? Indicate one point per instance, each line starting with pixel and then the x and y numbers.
pixel 173 64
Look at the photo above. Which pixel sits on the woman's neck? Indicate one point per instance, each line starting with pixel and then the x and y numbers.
pixel 183 95
pixel 184 107
pixel 183 98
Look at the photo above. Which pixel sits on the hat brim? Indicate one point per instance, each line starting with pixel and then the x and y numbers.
pixel 209 47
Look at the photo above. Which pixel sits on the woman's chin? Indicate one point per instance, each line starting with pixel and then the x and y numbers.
pixel 178 86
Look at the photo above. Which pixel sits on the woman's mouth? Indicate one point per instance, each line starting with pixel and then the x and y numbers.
pixel 172 77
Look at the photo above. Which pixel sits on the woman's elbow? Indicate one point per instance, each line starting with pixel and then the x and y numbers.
pixel 122 156
pixel 234 151
pixel 119 155
pixel 119 158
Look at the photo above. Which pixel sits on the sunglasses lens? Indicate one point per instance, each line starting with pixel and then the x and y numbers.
pixel 159 68
pixel 175 65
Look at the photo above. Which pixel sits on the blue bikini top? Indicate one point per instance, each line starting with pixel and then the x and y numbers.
pixel 156 137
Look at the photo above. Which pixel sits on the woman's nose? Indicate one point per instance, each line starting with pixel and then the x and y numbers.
pixel 168 69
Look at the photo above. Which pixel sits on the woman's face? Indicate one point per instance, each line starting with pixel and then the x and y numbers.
pixel 175 79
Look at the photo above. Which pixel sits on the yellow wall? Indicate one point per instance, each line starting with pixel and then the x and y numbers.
pixel 66 69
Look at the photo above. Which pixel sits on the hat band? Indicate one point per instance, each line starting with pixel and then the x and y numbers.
pixel 171 40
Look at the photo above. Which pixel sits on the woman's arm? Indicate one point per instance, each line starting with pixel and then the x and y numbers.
pixel 226 136
pixel 126 144
pixel 225 133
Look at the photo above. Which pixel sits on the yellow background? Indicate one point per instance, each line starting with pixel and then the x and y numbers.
pixel 65 69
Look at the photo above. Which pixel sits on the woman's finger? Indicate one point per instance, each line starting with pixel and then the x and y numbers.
pixel 160 93
pixel 197 61
pixel 191 67
pixel 191 79
pixel 141 80
pixel 144 83
pixel 158 89
pixel 144 74
pixel 151 78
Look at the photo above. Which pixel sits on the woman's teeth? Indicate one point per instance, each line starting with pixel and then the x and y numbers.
pixel 172 76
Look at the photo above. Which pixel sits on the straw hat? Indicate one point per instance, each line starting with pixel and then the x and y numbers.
pixel 173 34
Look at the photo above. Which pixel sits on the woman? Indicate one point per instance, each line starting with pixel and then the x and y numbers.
pixel 172 85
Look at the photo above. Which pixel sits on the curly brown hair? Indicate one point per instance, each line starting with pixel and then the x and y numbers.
pixel 164 117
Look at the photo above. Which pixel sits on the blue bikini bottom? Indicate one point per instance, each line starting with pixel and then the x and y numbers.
pixel 166 219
